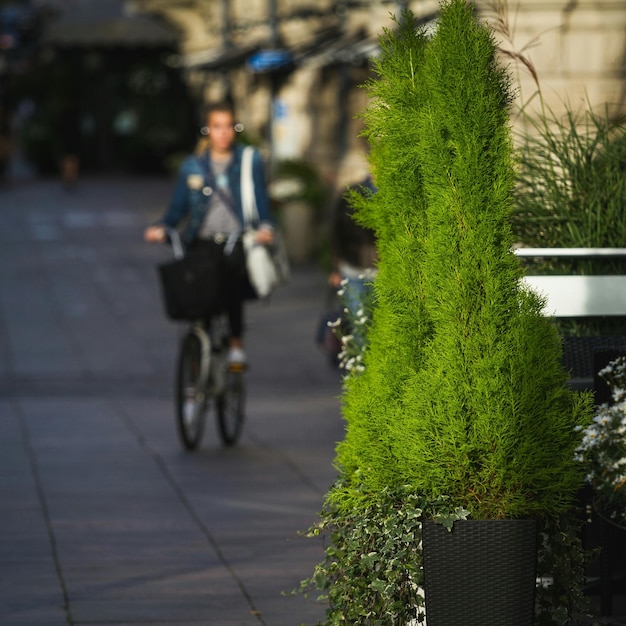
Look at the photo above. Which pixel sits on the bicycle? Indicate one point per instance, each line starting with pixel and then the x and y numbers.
pixel 203 376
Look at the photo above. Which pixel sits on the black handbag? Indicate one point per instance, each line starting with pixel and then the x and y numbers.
pixel 325 337
pixel 190 287
pixel 331 325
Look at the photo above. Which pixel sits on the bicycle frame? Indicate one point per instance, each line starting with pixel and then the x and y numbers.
pixel 203 374
pixel 197 328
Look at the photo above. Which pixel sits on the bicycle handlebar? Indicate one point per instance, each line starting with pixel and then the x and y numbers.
pixel 174 240
pixel 179 250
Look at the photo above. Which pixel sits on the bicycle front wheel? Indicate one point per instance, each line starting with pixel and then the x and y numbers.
pixel 231 408
pixel 191 399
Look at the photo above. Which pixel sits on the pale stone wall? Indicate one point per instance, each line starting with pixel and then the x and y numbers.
pixel 577 47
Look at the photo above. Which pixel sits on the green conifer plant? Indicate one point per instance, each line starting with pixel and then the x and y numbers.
pixel 463 399
pixel 463 393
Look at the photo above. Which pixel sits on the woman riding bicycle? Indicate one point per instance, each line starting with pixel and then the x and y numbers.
pixel 208 195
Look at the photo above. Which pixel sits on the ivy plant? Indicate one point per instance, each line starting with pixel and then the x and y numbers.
pixel 372 574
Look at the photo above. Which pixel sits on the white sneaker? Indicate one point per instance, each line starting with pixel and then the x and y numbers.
pixel 236 356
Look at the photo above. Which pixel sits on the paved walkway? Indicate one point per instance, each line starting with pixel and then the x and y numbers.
pixel 103 518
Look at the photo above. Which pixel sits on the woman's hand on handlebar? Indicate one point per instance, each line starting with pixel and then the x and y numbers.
pixel 264 236
pixel 334 280
pixel 155 234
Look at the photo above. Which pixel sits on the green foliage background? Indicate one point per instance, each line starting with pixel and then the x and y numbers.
pixel 571 193
pixel 572 184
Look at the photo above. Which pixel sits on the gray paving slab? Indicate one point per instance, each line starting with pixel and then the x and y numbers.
pixel 250 620
pixel 27 613
pixel 29 583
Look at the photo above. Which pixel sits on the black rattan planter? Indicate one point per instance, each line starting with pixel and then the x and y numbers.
pixel 483 572
pixel 612 560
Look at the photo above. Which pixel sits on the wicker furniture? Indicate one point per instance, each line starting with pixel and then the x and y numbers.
pixel 577 296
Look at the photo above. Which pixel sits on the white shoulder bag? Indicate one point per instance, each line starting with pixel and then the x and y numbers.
pixel 263 271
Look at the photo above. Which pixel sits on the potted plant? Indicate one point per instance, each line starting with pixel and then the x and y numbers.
pixel 462 409
pixel 603 447
pixel 602 453
pixel 602 450
pixel 300 194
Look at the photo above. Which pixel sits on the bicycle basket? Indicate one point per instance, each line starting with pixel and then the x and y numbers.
pixel 190 287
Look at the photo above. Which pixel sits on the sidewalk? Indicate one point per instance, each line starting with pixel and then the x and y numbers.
pixel 103 518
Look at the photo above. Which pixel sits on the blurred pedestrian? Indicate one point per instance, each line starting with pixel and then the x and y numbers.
pixel 70 144
pixel 5 142
pixel 353 249
pixel 341 330
pixel 208 197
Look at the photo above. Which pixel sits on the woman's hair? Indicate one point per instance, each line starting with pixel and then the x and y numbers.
pixel 223 106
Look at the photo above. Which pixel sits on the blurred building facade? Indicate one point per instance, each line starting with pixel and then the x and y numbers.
pixel 18 35
pixel 293 67
pixel 90 83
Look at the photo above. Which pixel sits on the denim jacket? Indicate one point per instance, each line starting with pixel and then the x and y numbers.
pixel 195 185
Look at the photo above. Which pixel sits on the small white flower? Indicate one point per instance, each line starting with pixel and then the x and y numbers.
pixel 603 444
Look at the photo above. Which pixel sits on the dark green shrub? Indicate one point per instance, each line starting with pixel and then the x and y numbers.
pixel 572 182
pixel 303 183
pixel 571 194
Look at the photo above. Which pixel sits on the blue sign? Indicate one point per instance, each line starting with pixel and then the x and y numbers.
pixel 267 60
pixel 280 110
